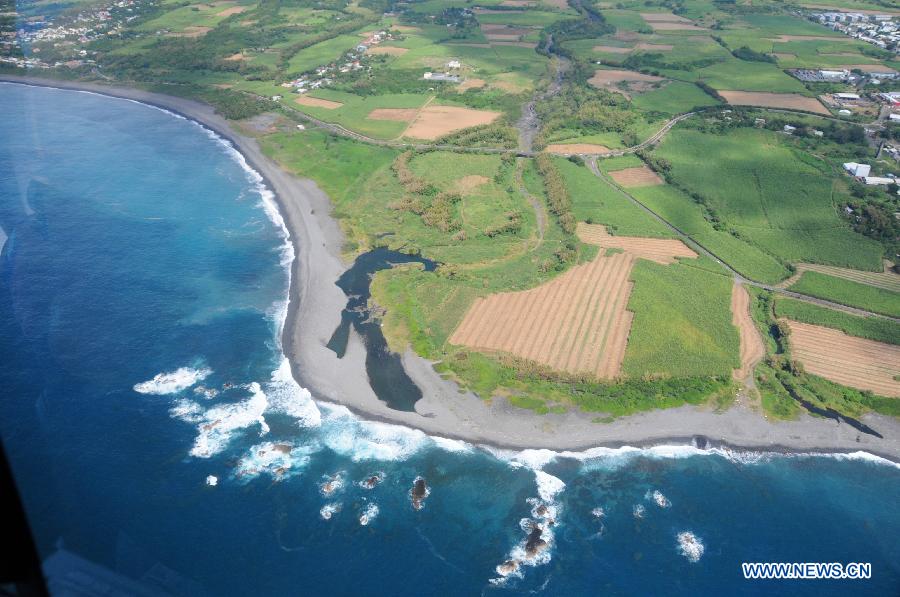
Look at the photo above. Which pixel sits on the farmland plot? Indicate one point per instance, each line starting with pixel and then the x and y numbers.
pixel 849 361
pixel 576 323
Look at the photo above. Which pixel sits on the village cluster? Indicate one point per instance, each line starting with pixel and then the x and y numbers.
pixel 353 60
pixel 879 30
pixel 67 35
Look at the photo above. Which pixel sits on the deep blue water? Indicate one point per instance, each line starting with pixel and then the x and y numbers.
pixel 138 246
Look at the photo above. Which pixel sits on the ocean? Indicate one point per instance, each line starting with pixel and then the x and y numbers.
pixel 161 445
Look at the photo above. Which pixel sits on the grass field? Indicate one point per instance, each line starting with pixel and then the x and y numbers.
pixel 776 197
pixel 597 202
pixel 354 111
pixel 675 97
pixel 873 328
pixel 322 53
pixel 678 331
pixel 845 292
pixel 687 215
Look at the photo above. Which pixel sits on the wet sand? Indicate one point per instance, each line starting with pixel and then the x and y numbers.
pixel 315 309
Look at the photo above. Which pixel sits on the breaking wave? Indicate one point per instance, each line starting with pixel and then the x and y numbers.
pixel 279 460
pixel 690 546
pixel 172 382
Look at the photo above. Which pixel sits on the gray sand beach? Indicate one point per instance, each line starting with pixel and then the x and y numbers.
pixel 315 310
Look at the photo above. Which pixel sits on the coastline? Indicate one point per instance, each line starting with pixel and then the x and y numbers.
pixel 314 309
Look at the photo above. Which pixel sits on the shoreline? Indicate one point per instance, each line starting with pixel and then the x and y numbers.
pixel 314 310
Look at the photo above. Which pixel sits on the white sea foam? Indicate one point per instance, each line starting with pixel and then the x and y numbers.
pixel 548 486
pixel 545 512
pixel 452 445
pixel 208 393
pixel 598 512
pixel 287 397
pixel 533 459
pixel 658 498
pixel 866 457
pixel 371 481
pixel 279 460
pixel 369 514
pixel 638 510
pixel 329 510
pixel 331 484
pixel 220 422
pixel 187 410
pixel 690 546
pixel 172 382
pixel 212 480
pixel 367 440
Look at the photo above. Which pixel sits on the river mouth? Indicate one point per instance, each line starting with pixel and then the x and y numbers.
pixel 387 377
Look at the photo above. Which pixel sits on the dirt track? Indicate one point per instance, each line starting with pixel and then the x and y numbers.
pixel 752 347
pixel 847 360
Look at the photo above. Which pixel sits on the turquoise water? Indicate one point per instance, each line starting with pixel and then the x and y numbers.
pixel 142 288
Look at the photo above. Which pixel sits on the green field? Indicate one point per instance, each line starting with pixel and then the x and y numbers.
pixel 687 215
pixel 873 328
pixel 322 53
pixel 778 198
pixel 354 112
pixel 676 97
pixel 678 331
pixel 848 293
pixel 597 202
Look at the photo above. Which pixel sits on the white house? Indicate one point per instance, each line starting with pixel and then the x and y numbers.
pixel 860 170
pixel 453 64
pixel 878 180
pixel 847 96
pixel 895 117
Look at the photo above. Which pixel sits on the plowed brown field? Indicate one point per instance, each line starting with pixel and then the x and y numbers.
pixel 888 280
pixel 577 322
pixel 663 17
pixel 642 176
pixel 387 51
pixel 752 348
pixel 660 250
pixel 580 148
pixel 793 101
pixel 305 100
pixel 398 114
pixel 606 77
pixel 437 121
pixel 847 360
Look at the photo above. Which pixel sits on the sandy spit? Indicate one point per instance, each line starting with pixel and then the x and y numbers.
pixel 314 312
